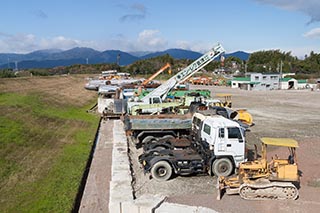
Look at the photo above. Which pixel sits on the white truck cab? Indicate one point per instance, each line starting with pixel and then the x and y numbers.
pixel 224 136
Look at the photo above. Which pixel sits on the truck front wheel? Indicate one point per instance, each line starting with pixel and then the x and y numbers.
pixel 161 171
pixel 222 167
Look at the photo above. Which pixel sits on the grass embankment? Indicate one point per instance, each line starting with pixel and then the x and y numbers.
pixel 44 148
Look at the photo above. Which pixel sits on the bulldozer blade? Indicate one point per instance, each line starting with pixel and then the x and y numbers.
pixel 220 187
pixel 219 194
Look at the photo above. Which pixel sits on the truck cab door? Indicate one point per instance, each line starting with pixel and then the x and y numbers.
pixel 220 147
pixel 206 132
pixel 235 143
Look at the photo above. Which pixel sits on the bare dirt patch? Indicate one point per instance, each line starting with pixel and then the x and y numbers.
pixel 287 113
pixel 65 89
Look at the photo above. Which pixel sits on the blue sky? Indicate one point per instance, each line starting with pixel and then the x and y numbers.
pixel 153 25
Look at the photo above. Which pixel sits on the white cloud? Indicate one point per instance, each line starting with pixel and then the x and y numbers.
pixel 17 42
pixel 146 40
pixel 183 45
pixel 197 46
pixel 58 42
pixel 309 7
pixel 150 39
pixel 314 33
pixel 24 43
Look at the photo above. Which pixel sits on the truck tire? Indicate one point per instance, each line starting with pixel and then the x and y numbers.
pixel 222 167
pixel 148 139
pixel 167 137
pixel 161 171
pixel 159 148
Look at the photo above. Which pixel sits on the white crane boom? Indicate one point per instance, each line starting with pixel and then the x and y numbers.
pixel 161 92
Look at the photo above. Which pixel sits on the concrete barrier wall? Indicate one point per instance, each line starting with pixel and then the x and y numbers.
pixel 120 185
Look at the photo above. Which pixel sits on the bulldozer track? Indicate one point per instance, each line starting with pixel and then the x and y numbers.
pixel 269 191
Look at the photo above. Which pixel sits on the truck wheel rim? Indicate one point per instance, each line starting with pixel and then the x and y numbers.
pixel 223 168
pixel 162 172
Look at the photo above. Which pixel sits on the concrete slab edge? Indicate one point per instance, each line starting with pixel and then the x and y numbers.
pixel 179 208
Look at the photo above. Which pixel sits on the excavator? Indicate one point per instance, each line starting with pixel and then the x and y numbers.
pixel 148 80
pixel 166 66
pixel 263 179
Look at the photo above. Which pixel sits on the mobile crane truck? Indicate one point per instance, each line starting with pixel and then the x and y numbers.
pixel 153 102
pixel 217 147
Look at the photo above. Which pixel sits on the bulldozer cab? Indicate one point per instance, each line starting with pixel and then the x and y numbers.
pixel 263 178
pixel 284 167
pixel 226 99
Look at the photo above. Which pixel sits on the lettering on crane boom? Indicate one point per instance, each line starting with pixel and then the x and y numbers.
pixel 195 65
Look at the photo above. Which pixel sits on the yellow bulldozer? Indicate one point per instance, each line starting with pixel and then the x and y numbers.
pixel 263 179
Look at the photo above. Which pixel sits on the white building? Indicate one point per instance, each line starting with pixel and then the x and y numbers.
pixel 267 81
pixel 257 81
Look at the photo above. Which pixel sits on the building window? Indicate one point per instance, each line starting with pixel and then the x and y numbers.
pixel 274 77
pixel 256 78
pixel 264 77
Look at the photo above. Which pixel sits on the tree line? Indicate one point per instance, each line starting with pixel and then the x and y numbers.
pixel 271 61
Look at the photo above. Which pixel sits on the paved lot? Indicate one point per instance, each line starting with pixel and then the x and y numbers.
pixel 286 113
pixel 292 114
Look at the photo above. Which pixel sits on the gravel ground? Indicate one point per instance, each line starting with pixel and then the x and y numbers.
pixel 286 113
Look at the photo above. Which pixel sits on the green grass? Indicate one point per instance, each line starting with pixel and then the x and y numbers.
pixel 44 149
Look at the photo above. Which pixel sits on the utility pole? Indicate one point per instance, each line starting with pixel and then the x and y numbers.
pixel 280 76
pixel 245 69
pixel 118 59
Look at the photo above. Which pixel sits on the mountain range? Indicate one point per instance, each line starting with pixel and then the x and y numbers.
pixel 81 55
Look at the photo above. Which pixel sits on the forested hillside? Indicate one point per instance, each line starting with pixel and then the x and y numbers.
pixel 261 61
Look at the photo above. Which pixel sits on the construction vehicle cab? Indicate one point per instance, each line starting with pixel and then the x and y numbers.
pixel 226 99
pixel 284 169
pixel 266 178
